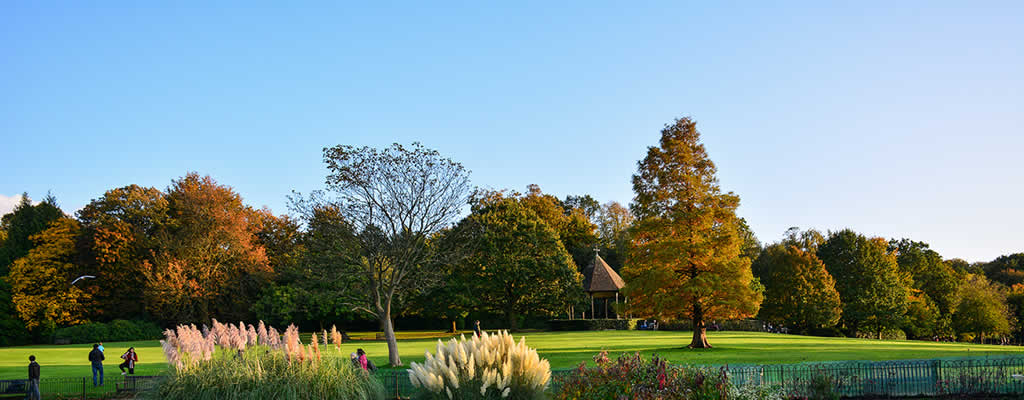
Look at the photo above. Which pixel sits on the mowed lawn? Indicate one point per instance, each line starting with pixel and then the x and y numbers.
pixel 562 349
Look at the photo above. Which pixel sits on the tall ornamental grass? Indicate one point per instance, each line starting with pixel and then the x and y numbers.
pixel 483 367
pixel 226 361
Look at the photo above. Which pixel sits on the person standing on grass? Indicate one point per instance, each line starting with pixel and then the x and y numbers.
pixel 476 329
pixel 96 358
pixel 129 358
pixel 33 379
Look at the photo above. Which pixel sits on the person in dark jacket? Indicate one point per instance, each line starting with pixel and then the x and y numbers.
pixel 33 379
pixel 96 358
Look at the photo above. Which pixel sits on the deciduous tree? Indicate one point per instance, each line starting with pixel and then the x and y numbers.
pixel 799 292
pixel 1006 269
pixel 572 225
pixel 20 225
pixel 982 309
pixel 685 261
pixel 41 280
pixel 613 225
pixel 396 199
pixel 517 266
pixel 119 233
pixel 873 290
pixel 208 261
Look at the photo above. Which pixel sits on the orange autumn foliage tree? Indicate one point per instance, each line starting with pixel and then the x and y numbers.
pixel 685 257
pixel 40 281
pixel 207 260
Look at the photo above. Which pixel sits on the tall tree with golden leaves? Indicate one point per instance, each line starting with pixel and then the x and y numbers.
pixel 685 260
pixel 40 281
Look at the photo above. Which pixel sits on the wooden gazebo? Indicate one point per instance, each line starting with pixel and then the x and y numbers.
pixel 601 282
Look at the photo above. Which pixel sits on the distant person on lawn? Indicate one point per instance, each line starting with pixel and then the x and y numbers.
pixel 362 359
pixel 96 358
pixel 476 330
pixel 33 379
pixel 129 358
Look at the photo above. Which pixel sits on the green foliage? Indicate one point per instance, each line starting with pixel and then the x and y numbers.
pixel 516 264
pixel 23 222
pixel 930 274
pixel 1007 269
pixel 982 310
pixel 686 256
pixel 613 224
pixel 873 290
pixel 260 374
pixel 799 292
pixel 751 247
pixel 12 328
pixel 572 225
pixel 593 324
pixel 922 317
pixel 118 330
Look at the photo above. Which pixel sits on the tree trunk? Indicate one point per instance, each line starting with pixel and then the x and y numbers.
pixel 513 321
pixel 389 335
pixel 700 337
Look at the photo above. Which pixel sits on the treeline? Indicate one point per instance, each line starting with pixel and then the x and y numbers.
pixel 386 239
pixel 847 283
pixel 195 251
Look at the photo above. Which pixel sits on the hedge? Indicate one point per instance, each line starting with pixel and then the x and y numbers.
pixel 592 324
pixel 748 325
pixel 118 330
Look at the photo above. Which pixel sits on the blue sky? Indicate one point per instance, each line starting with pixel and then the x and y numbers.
pixel 896 121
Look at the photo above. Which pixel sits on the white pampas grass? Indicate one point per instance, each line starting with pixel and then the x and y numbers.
pixel 489 360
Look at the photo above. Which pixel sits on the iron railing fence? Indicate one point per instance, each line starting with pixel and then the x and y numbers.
pixel 960 376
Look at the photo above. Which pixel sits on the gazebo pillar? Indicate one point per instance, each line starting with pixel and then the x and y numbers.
pixel 591 306
pixel 616 303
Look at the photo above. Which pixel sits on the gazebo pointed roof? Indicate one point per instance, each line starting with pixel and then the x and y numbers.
pixel 599 277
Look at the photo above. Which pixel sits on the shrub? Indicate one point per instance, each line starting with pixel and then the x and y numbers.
pixel 118 330
pixel 484 367
pixel 592 324
pixel 887 334
pixel 631 377
pixel 243 362
pixel 757 392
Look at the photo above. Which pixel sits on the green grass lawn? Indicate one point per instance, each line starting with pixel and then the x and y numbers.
pixel 562 349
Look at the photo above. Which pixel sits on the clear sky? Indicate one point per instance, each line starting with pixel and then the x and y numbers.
pixel 896 121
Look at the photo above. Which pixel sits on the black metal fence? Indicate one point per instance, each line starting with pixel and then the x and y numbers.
pixel 79 388
pixel 959 376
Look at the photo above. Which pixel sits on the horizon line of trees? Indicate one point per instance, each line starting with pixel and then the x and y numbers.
pixel 386 239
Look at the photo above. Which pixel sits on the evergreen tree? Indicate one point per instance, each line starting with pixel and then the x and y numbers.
pixel 26 220
pixel 686 256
